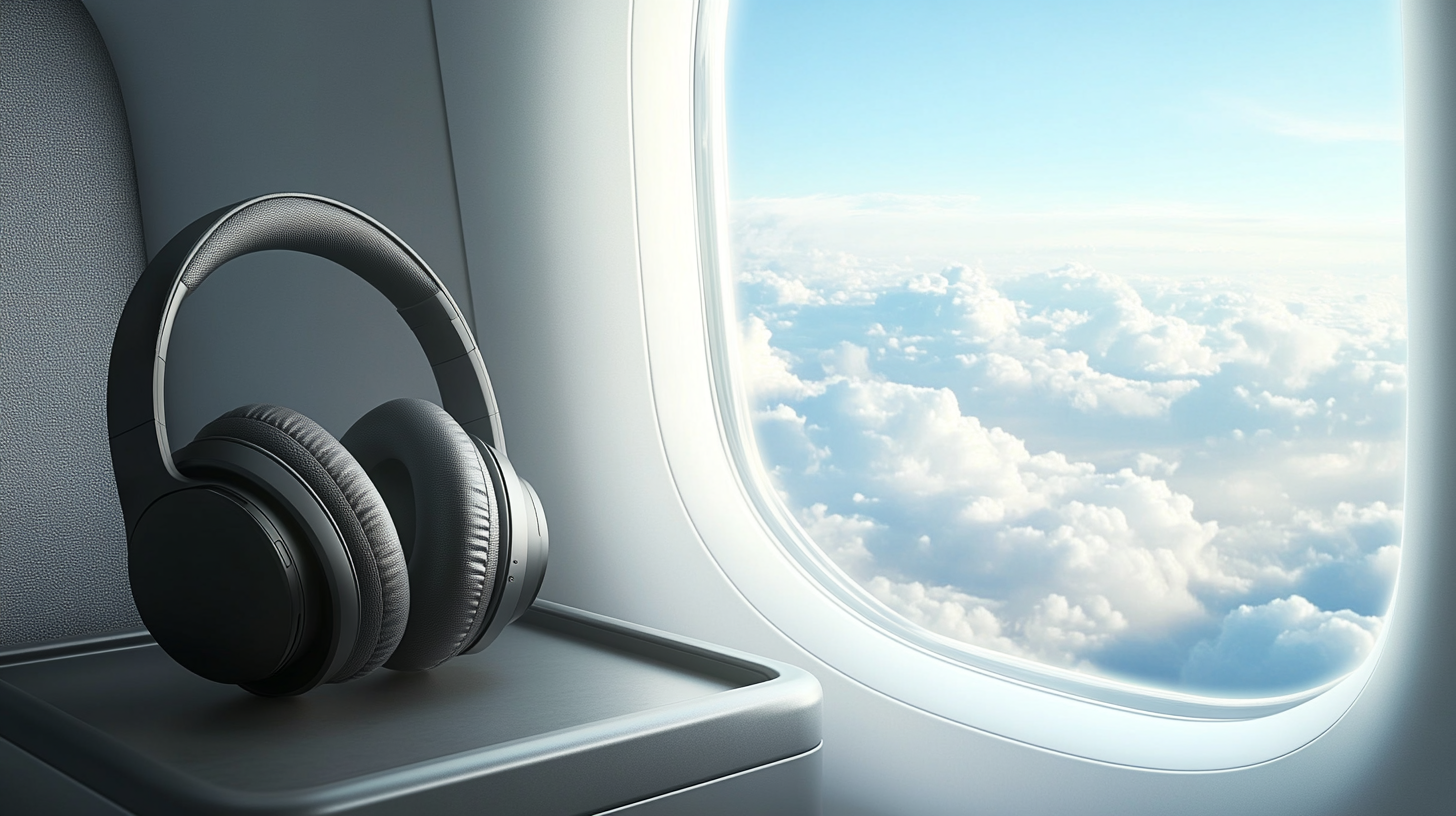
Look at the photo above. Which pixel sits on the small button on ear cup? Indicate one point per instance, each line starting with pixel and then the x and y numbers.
pixel 439 491
pixel 357 509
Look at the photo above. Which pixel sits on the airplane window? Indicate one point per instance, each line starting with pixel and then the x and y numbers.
pixel 1075 331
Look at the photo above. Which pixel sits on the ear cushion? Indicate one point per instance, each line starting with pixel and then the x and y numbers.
pixel 443 499
pixel 356 507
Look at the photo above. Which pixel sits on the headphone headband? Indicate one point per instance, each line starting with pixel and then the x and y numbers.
pixel 136 418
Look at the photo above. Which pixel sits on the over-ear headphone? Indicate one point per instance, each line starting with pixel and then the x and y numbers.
pixel 268 554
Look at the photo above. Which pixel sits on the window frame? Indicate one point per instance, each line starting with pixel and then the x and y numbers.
pixel 708 440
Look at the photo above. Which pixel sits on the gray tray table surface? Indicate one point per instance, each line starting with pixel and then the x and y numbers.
pixel 568 712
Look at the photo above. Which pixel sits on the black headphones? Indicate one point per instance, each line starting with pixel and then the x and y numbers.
pixel 268 554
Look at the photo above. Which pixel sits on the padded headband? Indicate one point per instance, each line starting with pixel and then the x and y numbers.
pixel 302 223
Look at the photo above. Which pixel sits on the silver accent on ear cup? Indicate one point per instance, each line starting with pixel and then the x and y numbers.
pixel 517 516
pixel 537 549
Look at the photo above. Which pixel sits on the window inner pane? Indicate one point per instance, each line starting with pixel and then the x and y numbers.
pixel 1076 330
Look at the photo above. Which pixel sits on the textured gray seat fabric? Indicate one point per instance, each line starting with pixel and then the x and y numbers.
pixel 70 248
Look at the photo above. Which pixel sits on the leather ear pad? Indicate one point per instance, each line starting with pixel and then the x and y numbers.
pixel 429 471
pixel 356 507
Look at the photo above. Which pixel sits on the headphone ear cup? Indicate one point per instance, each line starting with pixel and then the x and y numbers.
pixel 442 499
pixel 357 509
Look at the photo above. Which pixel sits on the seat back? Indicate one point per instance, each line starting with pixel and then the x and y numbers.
pixel 70 248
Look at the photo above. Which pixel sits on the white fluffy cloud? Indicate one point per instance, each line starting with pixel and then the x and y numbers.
pixel 1123 547
pixel 1025 347
pixel 1056 631
pixel 1297 408
pixel 1069 374
pixel 988 314
pixel 783 430
pixel 767 369
pixel 1112 322
pixel 1290 348
pixel 945 611
pixel 1286 644
pixel 842 538
pixel 915 441
pixel 1062 633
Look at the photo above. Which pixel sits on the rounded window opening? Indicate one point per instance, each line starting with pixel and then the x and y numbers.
pixel 1076 331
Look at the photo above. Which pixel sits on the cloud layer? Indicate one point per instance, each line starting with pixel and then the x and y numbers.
pixel 1194 483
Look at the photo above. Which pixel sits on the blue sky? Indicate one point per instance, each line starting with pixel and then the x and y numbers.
pixel 1077 330
pixel 1255 106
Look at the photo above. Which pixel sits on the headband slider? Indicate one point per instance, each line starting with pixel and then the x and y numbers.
pixel 439 327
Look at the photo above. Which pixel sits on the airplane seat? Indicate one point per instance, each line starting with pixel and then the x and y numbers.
pixel 72 247
pixel 567 713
